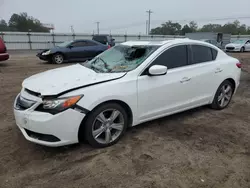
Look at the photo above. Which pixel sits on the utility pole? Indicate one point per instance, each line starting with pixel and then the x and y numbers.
pixel 97 24
pixel 72 29
pixel 149 19
pixel 146 27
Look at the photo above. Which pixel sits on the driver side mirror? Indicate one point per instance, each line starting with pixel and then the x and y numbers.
pixel 157 70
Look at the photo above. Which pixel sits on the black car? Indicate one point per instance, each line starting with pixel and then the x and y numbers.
pixel 75 50
pixel 104 39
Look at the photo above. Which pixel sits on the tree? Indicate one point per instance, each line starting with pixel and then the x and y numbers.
pixel 168 28
pixel 24 23
pixel 3 26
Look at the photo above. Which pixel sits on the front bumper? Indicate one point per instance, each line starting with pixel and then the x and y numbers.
pixel 47 129
pixel 43 57
pixel 232 49
pixel 4 56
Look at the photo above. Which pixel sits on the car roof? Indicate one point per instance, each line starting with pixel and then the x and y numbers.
pixel 161 43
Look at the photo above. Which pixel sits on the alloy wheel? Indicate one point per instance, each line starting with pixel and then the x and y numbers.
pixel 225 95
pixel 108 126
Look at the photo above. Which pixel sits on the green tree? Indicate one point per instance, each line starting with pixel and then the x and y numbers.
pixel 24 23
pixel 3 26
pixel 168 28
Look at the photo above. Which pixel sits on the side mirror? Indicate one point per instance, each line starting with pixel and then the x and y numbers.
pixel 70 46
pixel 157 70
pixel 113 40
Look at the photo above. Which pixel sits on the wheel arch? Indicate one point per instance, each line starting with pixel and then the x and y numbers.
pixel 231 80
pixel 120 102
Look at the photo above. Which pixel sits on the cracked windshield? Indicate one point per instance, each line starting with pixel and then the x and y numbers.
pixel 121 58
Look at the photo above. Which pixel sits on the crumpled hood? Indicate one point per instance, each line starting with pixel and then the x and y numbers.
pixel 56 81
pixel 234 45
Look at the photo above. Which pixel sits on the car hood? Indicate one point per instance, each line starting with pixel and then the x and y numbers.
pixel 56 81
pixel 234 45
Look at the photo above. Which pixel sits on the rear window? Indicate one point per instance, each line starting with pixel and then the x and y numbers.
pixel 201 54
pixel 214 53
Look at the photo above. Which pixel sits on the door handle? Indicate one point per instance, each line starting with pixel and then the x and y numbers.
pixel 218 70
pixel 185 79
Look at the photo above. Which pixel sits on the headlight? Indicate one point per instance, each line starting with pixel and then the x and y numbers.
pixel 58 105
pixel 46 53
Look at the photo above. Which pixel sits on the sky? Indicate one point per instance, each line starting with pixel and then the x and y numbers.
pixel 125 16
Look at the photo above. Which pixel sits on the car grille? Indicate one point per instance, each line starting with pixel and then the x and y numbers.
pixel 23 104
pixel 230 48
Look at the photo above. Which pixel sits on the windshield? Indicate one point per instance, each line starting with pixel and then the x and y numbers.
pixel 121 58
pixel 65 44
pixel 239 42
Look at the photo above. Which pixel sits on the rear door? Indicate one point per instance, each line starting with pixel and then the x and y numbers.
pixel 205 73
pixel 92 49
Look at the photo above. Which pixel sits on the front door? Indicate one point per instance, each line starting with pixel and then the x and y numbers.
pixel 165 94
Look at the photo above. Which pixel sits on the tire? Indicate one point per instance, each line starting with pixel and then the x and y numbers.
pixel 99 125
pixel 223 98
pixel 57 58
pixel 242 49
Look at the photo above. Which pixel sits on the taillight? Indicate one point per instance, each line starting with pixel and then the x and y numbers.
pixel 238 65
pixel 109 46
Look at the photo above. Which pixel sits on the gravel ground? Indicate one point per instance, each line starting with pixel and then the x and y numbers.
pixel 198 148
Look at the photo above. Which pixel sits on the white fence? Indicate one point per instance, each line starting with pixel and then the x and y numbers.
pixel 30 41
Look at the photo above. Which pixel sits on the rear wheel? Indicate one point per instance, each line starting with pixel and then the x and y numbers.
pixel 58 58
pixel 106 125
pixel 223 95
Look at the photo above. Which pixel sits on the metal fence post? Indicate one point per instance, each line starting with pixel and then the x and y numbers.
pixel 53 38
pixel 2 36
pixel 29 40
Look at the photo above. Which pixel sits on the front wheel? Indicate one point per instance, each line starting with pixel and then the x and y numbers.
pixel 223 95
pixel 106 125
pixel 58 58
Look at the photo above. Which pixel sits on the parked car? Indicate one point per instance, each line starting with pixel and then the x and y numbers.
pixel 104 39
pixel 131 83
pixel 3 51
pixel 75 50
pixel 214 42
pixel 238 46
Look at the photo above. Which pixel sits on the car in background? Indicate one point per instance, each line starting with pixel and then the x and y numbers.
pixel 3 51
pixel 214 42
pixel 132 83
pixel 75 50
pixel 104 39
pixel 238 46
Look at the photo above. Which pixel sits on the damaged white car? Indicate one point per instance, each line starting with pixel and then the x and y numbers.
pixel 129 84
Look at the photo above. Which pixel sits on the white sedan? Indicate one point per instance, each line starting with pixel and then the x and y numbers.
pixel 129 84
pixel 238 46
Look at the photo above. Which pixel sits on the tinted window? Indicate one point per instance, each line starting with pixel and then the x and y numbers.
pixel 214 53
pixel 201 54
pixel 173 57
pixel 90 43
pixel 79 44
pixel 100 38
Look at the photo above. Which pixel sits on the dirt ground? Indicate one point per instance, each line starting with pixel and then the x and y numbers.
pixel 199 148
